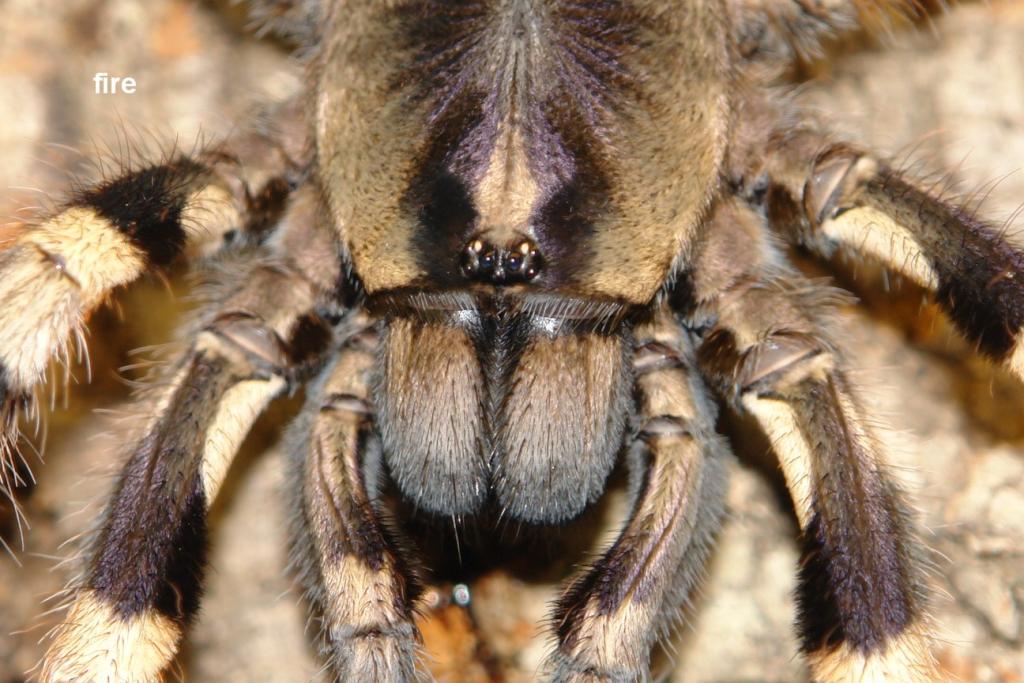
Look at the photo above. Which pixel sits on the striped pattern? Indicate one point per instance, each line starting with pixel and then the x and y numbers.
pixel 608 618
pixel 55 273
pixel 142 584
pixel 351 569
pixel 851 199
pixel 977 276
pixel 560 122
pixel 860 588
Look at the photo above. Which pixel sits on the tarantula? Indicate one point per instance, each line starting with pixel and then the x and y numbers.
pixel 509 244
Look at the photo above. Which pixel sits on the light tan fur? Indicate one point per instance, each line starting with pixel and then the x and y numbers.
pixel 870 231
pixel 610 643
pixel 662 530
pixel 52 277
pixel 508 192
pixel 660 205
pixel 93 252
pixel 361 595
pixel 684 120
pixel 240 407
pixel 351 106
pixel 779 423
pixel 41 309
pixel 95 645
pixel 367 139
pixel 906 659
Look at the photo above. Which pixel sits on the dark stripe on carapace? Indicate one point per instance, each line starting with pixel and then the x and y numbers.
pixel 443 41
pixel 146 206
pixel 447 220
pixel 474 72
pixel 568 142
pixel 564 222
pixel 151 552
pixel 854 584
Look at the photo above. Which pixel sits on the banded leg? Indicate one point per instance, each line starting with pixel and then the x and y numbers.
pixel 836 196
pixel 52 275
pixel 141 585
pixel 352 571
pixel 610 616
pixel 860 592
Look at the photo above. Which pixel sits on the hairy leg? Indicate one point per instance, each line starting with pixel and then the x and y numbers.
pixel 54 273
pixel 826 195
pixel 861 593
pixel 352 572
pixel 142 581
pixel 610 616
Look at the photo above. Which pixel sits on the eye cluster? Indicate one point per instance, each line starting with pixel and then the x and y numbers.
pixel 486 262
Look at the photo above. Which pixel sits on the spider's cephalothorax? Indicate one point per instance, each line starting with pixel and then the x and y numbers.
pixel 510 243
pixel 501 232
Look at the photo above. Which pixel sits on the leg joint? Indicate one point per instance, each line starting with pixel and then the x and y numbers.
pixel 833 182
pixel 665 426
pixel 347 403
pixel 652 356
pixel 773 364
pixel 263 350
pixel 250 337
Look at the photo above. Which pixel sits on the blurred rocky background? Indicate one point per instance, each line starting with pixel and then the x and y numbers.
pixel 946 99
